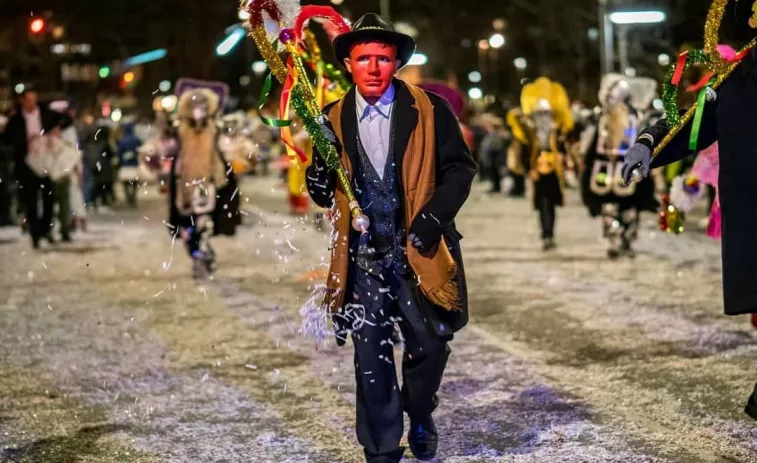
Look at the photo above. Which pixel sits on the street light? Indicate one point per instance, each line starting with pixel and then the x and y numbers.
pixel 475 93
pixel 520 63
pixel 474 77
pixel 624 19
pixel 231 41
pixel 663 59
pixel 418 59
pixel 36 26
pixel 164 85
pixel 637 17
pixel 259 67
pixel 497 40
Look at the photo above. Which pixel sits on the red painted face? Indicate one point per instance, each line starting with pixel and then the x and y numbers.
pixel 373 66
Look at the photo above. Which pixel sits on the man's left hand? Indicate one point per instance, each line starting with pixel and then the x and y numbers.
pixel 425 232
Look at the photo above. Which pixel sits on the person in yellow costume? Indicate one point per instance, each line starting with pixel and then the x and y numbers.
pixel 538 132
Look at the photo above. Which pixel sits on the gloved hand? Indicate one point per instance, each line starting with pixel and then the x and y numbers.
pixel 327 129
pixel 638 155
pixel 425 232
pixel 328 133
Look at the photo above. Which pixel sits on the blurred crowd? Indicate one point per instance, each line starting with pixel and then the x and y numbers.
pixel 59 163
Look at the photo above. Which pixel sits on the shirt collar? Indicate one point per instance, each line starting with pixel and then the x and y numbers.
pixel 383 106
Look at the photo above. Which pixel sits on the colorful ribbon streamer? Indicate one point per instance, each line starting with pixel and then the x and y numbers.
pixel 697 122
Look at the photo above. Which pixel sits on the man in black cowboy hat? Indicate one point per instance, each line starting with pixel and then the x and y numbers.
pixel 730 121
pixel 412 173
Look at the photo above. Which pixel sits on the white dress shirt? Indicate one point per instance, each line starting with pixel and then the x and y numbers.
pixel 33 129
pixel 375 126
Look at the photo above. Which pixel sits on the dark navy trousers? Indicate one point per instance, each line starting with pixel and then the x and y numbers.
pixel 375 306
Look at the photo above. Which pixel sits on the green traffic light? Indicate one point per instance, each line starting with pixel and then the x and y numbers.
pixel 104 72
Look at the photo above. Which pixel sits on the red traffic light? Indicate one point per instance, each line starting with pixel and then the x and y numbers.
pixel 37 25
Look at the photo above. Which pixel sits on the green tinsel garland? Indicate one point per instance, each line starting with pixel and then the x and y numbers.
pixel 324 148
pixel 670 91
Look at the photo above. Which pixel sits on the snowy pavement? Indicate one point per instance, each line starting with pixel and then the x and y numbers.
pixel 109 352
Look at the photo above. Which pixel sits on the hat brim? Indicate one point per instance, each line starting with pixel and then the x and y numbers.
pixel 404 43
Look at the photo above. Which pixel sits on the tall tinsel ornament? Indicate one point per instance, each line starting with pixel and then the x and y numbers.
pixel 714 61
pixel 296 82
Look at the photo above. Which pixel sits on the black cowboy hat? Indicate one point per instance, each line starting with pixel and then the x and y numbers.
pixel 373 27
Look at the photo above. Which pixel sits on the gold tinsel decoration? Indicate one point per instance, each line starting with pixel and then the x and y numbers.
pixel 269 53
pixel 717 64
pixel 712 36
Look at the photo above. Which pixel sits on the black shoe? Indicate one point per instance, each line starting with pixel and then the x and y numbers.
pixel 66 239
pixel 35 243
pixel 613 254
pixel 423 438
pixel 549 244
pixel 393 457
pixel 751 405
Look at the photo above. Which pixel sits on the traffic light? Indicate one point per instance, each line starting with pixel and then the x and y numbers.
pixel 104 72
pixel 37 26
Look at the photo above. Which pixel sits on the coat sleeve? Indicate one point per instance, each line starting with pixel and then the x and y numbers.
pixel 455 167
pixel 319 179
pixel 678 148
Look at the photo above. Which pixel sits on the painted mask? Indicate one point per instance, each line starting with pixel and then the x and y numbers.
pixel 373 66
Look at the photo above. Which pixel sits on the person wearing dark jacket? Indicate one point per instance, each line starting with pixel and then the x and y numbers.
pixel 730 120
pixel 411 172
pixel 128 160
pixel 24 134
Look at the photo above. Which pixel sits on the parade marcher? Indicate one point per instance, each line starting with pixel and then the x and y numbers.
pixel 605 193
pixel 62 156
pixel 198 178
pixel 547 119
pixel 128 159
pixel 728 118
pixel 517 153
pixel 412 172
pixel 24 134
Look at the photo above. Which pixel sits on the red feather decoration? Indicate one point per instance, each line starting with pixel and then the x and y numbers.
pixel 316 11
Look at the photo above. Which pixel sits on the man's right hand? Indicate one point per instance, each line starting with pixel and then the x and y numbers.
pixel 327 130
pixel 639 155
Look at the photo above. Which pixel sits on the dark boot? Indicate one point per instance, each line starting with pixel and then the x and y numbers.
pixel 751 405
pixel 423 438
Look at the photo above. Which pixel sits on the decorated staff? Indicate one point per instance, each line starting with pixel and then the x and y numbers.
pixel 729 120
pixel 298 92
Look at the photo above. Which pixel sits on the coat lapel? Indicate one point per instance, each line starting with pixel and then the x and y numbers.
pixel 405 120
pixel 350 129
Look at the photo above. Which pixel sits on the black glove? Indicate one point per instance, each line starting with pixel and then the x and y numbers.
pixel 328 133
pixel 638 155
pixel 425 232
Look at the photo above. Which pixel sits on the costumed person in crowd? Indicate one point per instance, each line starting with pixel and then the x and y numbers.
pixel 62 157
pixel 723 114
pixel 128 159
pixel 546 112
pixel 24 134
pixel 517 153
pixel 412 172
pixel 605 193
pixel 198 175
